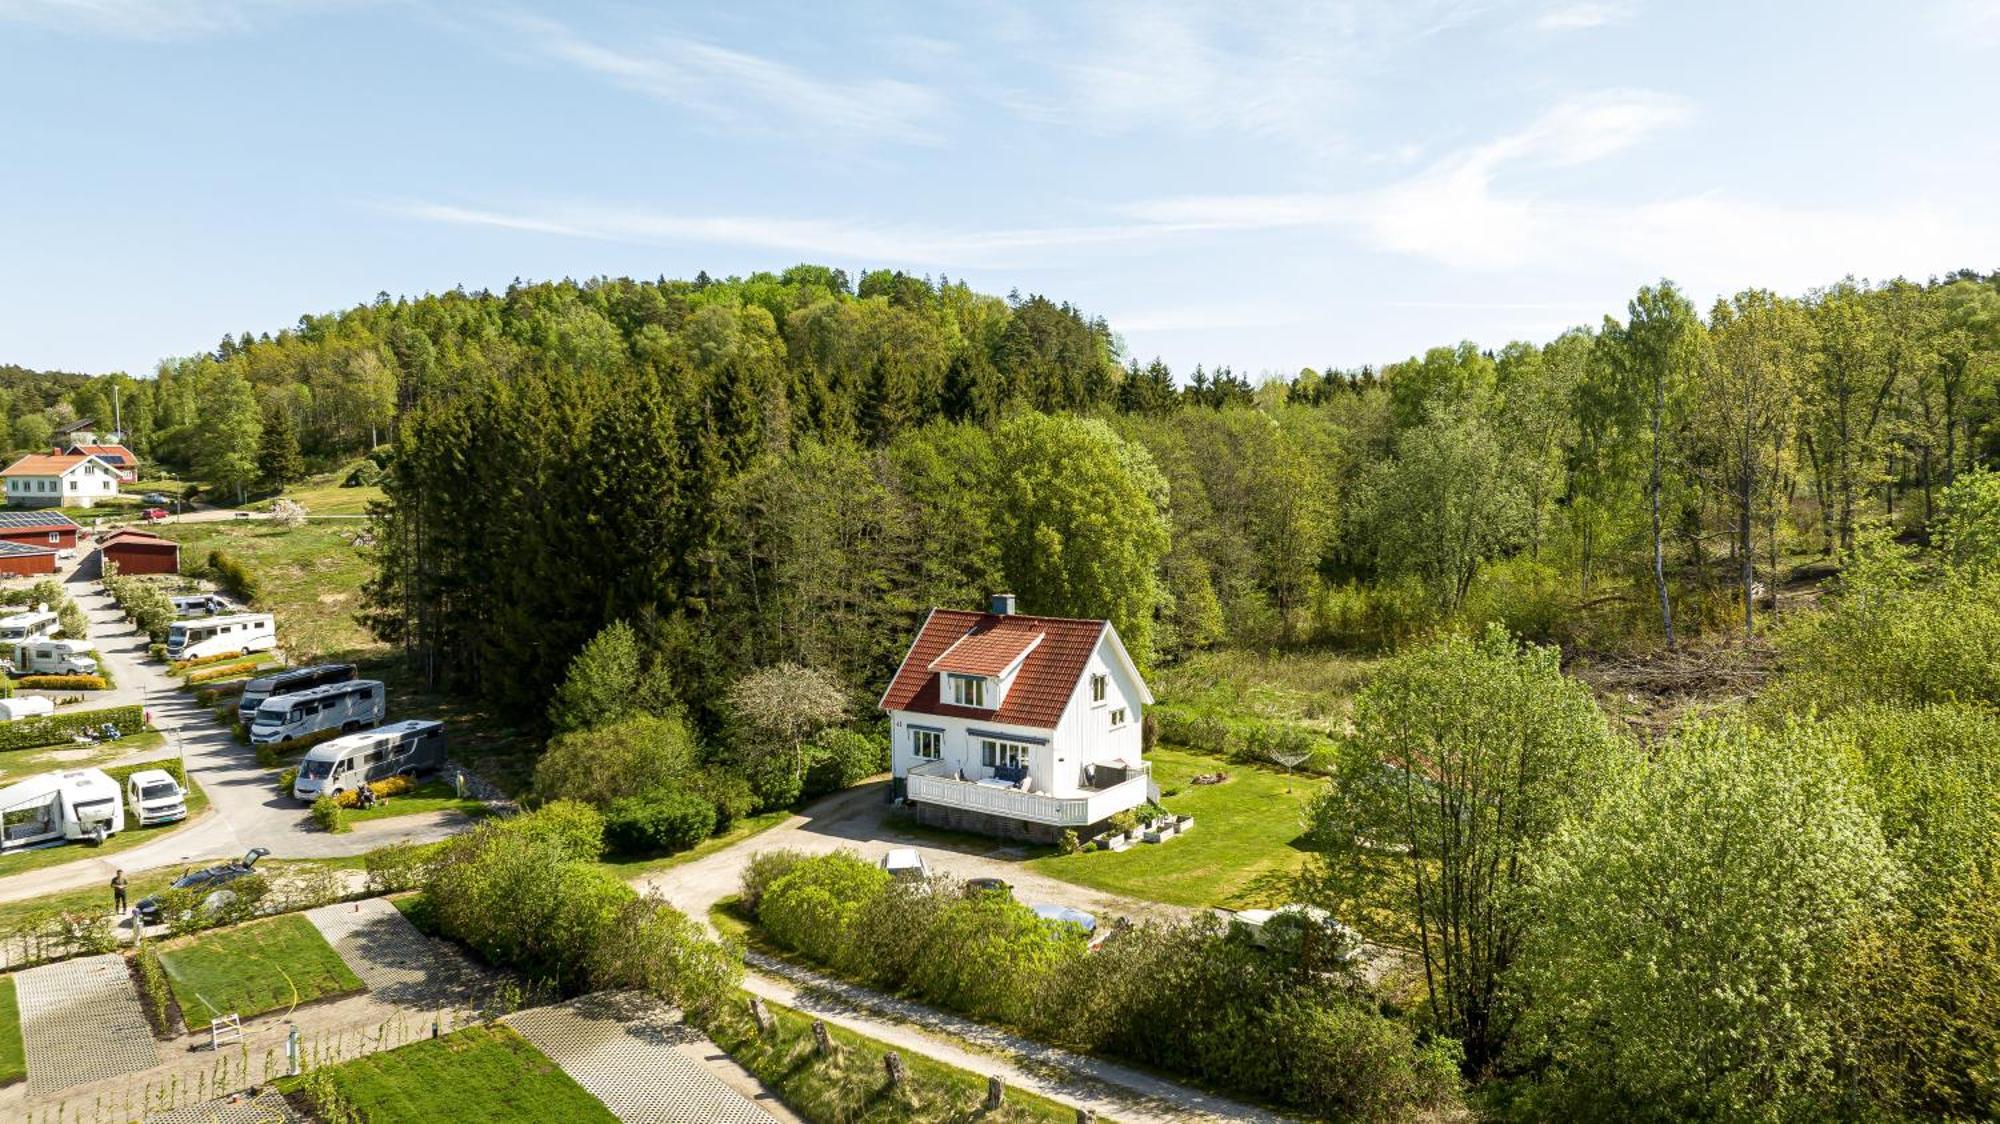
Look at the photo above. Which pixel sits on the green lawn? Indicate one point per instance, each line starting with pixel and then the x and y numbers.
pixel 1244 849
pixel 431 796
pixel 471 1076
pixel 323 495
pixel 13 1056
pixel 132 836
pixel 742 829
pixel 851 1087
pixel 310 578
pixel 263 966
pixel 19 764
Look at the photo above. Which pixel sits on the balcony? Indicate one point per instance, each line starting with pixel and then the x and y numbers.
pixel 937 783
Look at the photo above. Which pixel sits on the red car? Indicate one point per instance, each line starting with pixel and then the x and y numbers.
pixel 153 514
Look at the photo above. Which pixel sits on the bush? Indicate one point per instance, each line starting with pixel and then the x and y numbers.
pixel 232 575
pixel 158 996
pixel 399 866
pixel 62 683
pixel 286 779
pixel 657 822
pixel 606 763
pixel 54 729
pixel 842 758
pixel 226 671
pixel 384 788
pixel 202 661
pixel 731 794
pixel 364 474
pixel 329 815
pixel 169 765
pixel 75 623
pixel 765 868
pixel 810 909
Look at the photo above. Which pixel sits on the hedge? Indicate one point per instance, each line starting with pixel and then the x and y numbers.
pixel 32 733
pixel 169 765
pixel 210 674
pixel 63 682
pixel 232 575
pixel 202 661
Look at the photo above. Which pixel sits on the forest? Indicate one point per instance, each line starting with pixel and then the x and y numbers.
pixel 1779 905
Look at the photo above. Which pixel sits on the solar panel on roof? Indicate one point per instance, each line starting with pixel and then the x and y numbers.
pixel 35 519
pixel 16 549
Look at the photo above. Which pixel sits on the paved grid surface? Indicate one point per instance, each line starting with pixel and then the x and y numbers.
pixel 81 1022
pixel 399 964
pixel 267 1109
pixel 626 1050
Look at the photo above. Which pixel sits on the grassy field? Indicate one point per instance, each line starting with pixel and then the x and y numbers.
pixel 852 1086
pixel 19 764
pixel 1311 689
pixel 131 837
pixel 1244 850
pixel 431 796
pixel 263 966
pixel 13 1056
pixel 323 495
pixel 311 579
pixel 471 1076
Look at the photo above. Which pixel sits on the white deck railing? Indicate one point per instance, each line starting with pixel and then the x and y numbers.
pixel 929 785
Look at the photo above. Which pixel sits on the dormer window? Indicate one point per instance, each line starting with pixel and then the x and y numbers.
pixel 967 690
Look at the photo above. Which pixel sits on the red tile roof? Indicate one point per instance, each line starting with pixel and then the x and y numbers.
pixel 134 535
pixel 111 454
pixel 1040 690
pixel 990 651
pixel 44 464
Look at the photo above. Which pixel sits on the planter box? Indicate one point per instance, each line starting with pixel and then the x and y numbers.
pixel 1116 842
pixel 1183 823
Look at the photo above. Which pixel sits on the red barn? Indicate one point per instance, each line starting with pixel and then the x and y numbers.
pixel 50 529
pixel 140 552
pixel 20 560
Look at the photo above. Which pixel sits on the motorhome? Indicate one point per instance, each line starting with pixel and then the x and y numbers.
pixel 26 706
pixel 155 797
pixel 36 625
pixel 59 807
pixel 200 605
pixel 340 706
pixel 235 634
pixel 287 683
pixel 54 657
pixel 408 748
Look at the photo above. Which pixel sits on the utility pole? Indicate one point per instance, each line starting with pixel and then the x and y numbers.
pixel 117 421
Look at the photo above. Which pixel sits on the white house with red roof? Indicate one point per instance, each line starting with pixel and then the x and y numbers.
pixel 59 480
pixel 120 458
pixel 1017 725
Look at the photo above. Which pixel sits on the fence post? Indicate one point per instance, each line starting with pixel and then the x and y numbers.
pixel 822 1041
pixel 996 1091
pixel 1085 1116
pixel 765 1024
pixel 893 1063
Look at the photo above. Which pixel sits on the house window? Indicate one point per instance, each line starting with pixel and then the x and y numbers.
pixel 1118 718
pixel 928 744
pixel 968 690
pixel 998 753
pixel 1097 688
pixel 55 536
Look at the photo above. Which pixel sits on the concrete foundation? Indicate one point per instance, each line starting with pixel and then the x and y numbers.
pixel 981 823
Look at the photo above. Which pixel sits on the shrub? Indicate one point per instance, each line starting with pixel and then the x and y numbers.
pixel 226 671
pixel 54 729
pixel 363 475
pixel 398 866
pixel 810 909
pixel 62 683
pixel 170 765
pixel 329 815
pixel 765 868
pixel 202 661
pixel 603 764
pixel 842 758
pixel 384 788
pixel 232 575
pixel 75 624
pixel 731 794
pixel 153 988
pixel 286 779
pixel 659 821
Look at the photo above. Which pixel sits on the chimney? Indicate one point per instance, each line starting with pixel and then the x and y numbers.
pixel 1001 604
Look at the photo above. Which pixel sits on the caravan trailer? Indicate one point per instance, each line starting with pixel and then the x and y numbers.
pixel 407 748
pixel 58 807
pixel 53 657
pixel 236 634
pixel 288 683
pixel 37 625
pixel 340 706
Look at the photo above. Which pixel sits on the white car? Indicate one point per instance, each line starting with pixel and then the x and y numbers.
pixel 155 797
pixel 905 863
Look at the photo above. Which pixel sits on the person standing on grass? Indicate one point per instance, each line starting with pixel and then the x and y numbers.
pixel 118 892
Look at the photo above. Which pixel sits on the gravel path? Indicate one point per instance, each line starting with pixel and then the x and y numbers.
pixel 399 964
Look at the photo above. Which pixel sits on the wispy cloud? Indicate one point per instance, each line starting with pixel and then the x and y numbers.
pixel 1581 15
pixel 739 87
pixel 154 19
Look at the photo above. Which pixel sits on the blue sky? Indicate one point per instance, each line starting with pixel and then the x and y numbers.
pixel 1262 185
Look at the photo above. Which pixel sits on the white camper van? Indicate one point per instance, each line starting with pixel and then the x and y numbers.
pixel 289 682
pixel 408 748
pixel 352 705
pixel 36 625
pixel 56 807
pixel 236 634
pixel 26 706
pixel 54 657
pixel 200 605
pixel 155 797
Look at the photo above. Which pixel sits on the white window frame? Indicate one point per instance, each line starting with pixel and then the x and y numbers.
pixel 1100 686
pixel 968 690
pixel 995 752
pixel 1118 718
pixel 926 745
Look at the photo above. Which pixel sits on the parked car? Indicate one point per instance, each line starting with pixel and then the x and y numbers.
pixel 215 880
pixel 153 514
pixel 155 499
pixel 155 797
pixel 905 863
pixel 976 887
